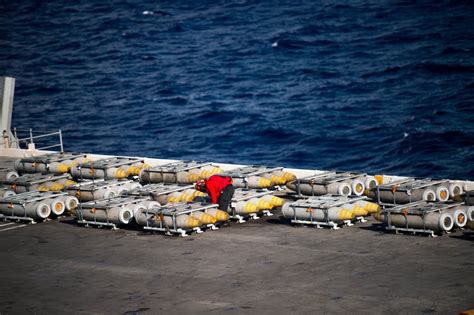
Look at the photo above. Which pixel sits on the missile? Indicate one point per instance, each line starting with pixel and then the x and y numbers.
pixel 442 193
pixel 37 210
pixel 261 204
pixel 358 187
pixel 116 215
pixel 70 202
pixel 275 201
pixel 204 217
pixel 245 207
pixel 459 216
pixel 38 187
pixel 221 216
pixel 334 214
pixel 435 221
pixel 60 167
pixel 252 182
pixel 53 186
pixel 57 206
pixel 174 197
pixel 469 212
pixel 337 188
pixel 92 173
pixel 155 220
pixel 455 189
pixel 369 206
pixel 370 182
pixel 29 167
pixel 401 197
pixel 66 182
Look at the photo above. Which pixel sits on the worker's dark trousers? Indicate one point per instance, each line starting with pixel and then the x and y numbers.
pixel 225 198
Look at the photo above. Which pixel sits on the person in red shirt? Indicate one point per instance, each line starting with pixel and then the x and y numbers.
pixel 219 188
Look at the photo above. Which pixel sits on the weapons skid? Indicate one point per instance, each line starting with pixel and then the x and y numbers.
pixel 323 211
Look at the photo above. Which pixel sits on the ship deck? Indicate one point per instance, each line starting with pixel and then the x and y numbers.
pixel 262 266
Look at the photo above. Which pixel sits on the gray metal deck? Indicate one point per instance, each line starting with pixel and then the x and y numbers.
pixel 264 266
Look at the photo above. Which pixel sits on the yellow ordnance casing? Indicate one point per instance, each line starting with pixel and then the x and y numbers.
pixel 194 193
pixel 369 206
pixel 245 207
pixel 92 173
pixel 174 197
pixel 206 171
pixel 221 216
pixel 53 186
pixel 357 210
pixel 204 217
pixel 155 220
pixel 261 203
pixel 275 201
pixel 66 182
pixel 275 179
pixel 135 168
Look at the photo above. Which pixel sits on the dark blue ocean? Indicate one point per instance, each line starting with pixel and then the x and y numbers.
pixel 380 86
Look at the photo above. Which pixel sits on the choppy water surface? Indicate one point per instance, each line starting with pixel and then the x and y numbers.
pixel 370 86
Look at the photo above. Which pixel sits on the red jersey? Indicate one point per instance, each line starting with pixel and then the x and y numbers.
pixel 215 185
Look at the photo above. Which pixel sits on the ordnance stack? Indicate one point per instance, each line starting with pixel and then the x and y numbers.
pixel 54 163
pixel 250 203
pixel 167 193
pixel 101 189
pixel 332 183
pixel 413 189
pixel 181 218
pixel 432 218
pixel 40 182
pixel 109 168
pixel 258 177
pixel 182 172
pixel 330 211
pixel 36 206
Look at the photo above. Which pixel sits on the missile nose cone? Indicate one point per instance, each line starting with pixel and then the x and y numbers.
pixel 289 176
pixel 220 215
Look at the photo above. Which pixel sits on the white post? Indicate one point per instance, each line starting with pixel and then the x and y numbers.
pixel 7 91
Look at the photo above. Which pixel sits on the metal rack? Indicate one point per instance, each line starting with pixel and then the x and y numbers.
pixel 104 205
pixel 159 189
pixel 47 159
pixel 24 198
pixel 105 164
pixel 173 211
pixel 420 208
pixel 27 180
pixel 325 178
pixel 95 185
pixel 324 203
pixel 243 194
pixel 252 170
pixel 407 186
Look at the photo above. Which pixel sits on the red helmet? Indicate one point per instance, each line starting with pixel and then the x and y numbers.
pixel 200 184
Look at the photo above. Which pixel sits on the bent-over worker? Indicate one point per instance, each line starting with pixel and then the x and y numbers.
pixel 219 188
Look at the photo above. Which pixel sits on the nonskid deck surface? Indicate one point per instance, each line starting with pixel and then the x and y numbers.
pixel 262 266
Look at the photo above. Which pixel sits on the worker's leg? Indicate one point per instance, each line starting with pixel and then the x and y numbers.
pixel 225 198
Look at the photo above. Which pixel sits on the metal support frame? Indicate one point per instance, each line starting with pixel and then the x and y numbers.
pixel 324 179
pixel 407 186
pixel 324 203
pixel 24 198
pixel 421 208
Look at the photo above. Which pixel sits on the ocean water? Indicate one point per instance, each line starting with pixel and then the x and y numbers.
pixel 374 86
